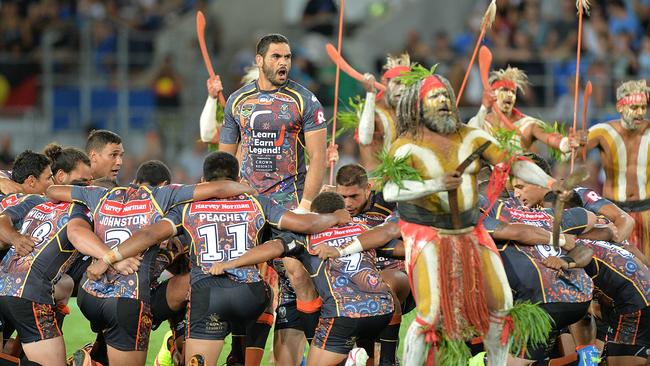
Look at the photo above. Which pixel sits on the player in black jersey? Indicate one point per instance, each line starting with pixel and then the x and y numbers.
pixel 31 291
pixel 118 305
pixel 222 229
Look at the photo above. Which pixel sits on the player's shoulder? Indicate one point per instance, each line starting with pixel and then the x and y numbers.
pixel 604 126
pixel 242 92
pixel 300 89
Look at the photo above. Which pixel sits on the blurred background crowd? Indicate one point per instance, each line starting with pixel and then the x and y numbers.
pixel 134 66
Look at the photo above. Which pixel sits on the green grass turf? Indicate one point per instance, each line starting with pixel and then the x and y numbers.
pixel 76 332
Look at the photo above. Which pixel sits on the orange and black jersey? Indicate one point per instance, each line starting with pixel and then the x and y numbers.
pixel 222 230
pixel 619 275
pixel 350 286
pixel 32 277
pixel 271 127
pixel 116 215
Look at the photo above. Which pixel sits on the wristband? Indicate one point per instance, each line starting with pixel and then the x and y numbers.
pixel 564 145
pixel 352 248
pixel 562 240
pixel 112 257
pixel 569 260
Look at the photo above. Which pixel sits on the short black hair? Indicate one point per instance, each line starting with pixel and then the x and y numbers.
pixel 539 161
pixel 65 159
pixel 29 163
pixel 352 175
pixel 153 173
pixel 327 202
pixel 100 138
pixel 220 165
pixel 264 42
pixel 105 182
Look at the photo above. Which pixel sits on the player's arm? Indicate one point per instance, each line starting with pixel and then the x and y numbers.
pixel 10 236
pixel 529 235
pixel 59 193
pixel 8 186
pixel 220 189
pixel 208 123
pixel 315 145
pixel 311 223
pixel 623 222
pixel 256 255
pixel 229 136
pixel 374 238
pixel 579 257
pixel 83 238
pixel 144 238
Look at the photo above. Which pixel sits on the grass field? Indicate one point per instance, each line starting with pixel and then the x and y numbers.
pixel 77 332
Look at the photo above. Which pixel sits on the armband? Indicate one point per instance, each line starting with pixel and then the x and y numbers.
pixel 352 248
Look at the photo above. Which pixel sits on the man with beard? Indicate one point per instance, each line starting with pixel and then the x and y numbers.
pixel 456 272
pixel 377 129
pixel 275 120
pixel 623 146
pixel 504 85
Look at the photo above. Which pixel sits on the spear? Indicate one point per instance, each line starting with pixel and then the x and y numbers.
pixel 585 103
pixel 583 6
pixel 488 20
pixel 336 86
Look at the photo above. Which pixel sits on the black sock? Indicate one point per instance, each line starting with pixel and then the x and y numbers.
pixel 99 352
pixel 257 334
pixel 236 355
pixel 389 339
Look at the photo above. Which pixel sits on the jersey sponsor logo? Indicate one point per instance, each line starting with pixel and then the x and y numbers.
pixel 9 201
pixel 131 208
pixel 48 207
pixel 336 233
pixel 222 206
pixel 528 216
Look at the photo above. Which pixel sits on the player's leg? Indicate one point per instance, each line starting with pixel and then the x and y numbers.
pixel 38 329
pixel 499 300
pixel 397 280
pixel 426 290
pixel 331 341
pixel 285 340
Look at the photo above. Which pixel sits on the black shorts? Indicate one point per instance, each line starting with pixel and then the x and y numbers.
pixel 33 321
pixel 562 315
pixel 125 323
pixel 287 317
pixel 160 310
pixel 77 270
pixel 618 349
pixel 630 329
pixel 215 302
pixel 339 335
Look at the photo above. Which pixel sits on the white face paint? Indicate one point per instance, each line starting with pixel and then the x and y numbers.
pixel 394 91
pixel 633 115
pixel 506 99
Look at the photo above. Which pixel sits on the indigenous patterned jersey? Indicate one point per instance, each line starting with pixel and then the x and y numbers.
pixel 432 160
pixel 376 215
pixel 119 213
pixel 272 127
pixel 349 286
pixel 223 229
pixel 591 200
pixel 528 277
pixel 32 277
pixel 619 275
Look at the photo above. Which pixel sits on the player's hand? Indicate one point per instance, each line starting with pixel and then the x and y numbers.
pixel 219 268
pixel 127 266
pixel 489 97
pixel 332 154
pixel 343 216
pixel 569 242
pixel 369 83
pixel 214 86
pixel 8 186
pixel 24 245
pixel 579 139
pixel 555 263
pixel 326 251
pixel 327 188
pixel 96 269
pixel 452 180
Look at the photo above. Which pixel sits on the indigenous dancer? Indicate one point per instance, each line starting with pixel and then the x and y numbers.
pixel 450 293
pixel 377 129
pixel 624 153
pixel 504 85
